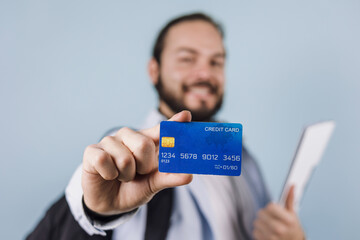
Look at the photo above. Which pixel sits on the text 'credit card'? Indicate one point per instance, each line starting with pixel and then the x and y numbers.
pixel 200 148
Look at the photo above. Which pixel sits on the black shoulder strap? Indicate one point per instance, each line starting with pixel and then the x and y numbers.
pixel 158 215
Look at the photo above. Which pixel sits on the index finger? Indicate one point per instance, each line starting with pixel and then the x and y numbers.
pixel 278 212
pixel 154 132
pixel 289 203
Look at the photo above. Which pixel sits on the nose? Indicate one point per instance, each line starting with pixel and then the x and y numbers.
pixel 203 71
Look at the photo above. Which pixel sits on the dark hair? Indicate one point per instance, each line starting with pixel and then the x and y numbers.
pixel 160 40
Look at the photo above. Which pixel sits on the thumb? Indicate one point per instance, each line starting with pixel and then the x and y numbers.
pixel 162 180
pixel 289 203
pixel 154 132
pixel 183 116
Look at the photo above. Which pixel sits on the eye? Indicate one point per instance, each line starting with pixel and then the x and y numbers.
pixel 217 63
pixel 187 59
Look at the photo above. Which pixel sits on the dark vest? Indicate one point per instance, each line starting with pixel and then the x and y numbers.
pixel 59 224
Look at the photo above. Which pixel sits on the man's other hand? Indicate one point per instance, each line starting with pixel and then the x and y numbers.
pixel 120 173
pixel 277 222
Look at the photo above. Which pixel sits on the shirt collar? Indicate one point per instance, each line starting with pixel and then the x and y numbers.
pixel 153 118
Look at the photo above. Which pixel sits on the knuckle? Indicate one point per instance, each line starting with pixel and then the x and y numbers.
pixel 109 177
pixel 122 131
pixel 279 231
pixel 145 145
pixel 106 140
pixel 270 206
pixel 126 171
pixel 125 162
pixel 291 221
pixel 89 149
pixel 100 159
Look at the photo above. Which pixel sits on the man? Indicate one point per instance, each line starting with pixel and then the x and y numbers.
pixel 118 192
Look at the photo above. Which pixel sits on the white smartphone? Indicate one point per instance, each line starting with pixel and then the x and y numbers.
pixel 308 154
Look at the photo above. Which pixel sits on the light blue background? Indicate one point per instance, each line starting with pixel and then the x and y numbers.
pixel 70 70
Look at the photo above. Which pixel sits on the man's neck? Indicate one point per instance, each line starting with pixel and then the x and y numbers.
pixel 165 110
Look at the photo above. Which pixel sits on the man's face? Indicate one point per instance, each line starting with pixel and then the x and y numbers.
pixel 191 74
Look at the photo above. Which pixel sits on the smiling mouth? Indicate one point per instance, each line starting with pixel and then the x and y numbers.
pixel 202 89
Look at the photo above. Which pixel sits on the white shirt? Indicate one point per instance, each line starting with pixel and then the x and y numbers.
pixel 210 207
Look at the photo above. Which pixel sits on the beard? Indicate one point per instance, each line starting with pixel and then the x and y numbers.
pixel 178 104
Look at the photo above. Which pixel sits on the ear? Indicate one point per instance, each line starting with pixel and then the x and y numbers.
pixel 153 70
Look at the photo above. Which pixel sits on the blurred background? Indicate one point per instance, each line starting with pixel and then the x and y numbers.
pixel 70 70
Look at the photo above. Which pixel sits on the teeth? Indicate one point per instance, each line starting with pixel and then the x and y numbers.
pixel 200 90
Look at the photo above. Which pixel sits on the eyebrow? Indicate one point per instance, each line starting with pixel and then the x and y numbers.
pixel 193 51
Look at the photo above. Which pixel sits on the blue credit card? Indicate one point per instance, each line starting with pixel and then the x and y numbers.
pixel 200 148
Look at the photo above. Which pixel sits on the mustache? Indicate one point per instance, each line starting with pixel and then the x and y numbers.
pixel 213 88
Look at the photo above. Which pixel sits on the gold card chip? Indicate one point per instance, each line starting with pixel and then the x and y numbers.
pixel 168 142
